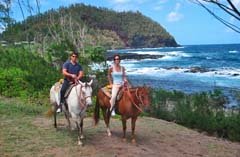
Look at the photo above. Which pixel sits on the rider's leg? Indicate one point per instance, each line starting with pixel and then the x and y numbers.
pixel 115 89
pixel 63 91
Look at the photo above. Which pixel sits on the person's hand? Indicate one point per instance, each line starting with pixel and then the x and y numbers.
pixel 73 76
pixel 109 86
pixel 76 80
pixel 125 83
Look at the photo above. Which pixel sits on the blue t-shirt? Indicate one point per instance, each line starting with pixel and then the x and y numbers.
pixel 72 68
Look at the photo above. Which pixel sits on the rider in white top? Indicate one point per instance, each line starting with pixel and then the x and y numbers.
pixel 116 78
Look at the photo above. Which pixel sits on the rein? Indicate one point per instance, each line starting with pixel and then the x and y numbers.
pixel 141 101
pixel 82 101
pixel 131 99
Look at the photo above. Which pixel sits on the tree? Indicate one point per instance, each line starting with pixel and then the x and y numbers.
pixel 5 10
pixel 229 7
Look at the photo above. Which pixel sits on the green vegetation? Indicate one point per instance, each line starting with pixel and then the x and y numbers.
pixel 202 111
pixel 25 74
pixel 29 76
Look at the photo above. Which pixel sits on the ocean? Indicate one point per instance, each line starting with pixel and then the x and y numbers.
pixel 189 68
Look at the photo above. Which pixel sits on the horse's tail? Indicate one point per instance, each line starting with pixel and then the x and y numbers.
pixel 96 112
pixel 49 113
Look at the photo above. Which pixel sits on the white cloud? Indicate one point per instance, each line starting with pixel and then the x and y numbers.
pixel 178 5
pixel 126 5
pixel 157 8
pixel 120 1
pixel 159 5
pixel 162 1
pixel 175 15
pixel 69 1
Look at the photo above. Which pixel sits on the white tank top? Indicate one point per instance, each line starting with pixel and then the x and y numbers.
pixel 117 76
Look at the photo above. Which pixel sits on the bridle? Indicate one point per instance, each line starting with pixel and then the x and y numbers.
pixel 82 101
pixel 138 98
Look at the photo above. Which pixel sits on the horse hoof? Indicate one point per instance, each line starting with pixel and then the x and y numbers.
pixel 80 143
pixel 81 137
pixel 133 141
pixel 109 134
pixel 124 139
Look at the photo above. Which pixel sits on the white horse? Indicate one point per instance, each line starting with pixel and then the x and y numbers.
pixel 80 97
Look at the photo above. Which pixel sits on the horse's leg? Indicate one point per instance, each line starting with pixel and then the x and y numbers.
pixel 81 129
pixel 79 134
pixel 68 120
pixel 133 129
pixel 54 108
pixel 124 121
pixel 106 116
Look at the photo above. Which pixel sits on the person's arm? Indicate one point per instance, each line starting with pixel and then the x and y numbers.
pixel 124 75
pixel 66 74
pixel 110 76
pixel 80 75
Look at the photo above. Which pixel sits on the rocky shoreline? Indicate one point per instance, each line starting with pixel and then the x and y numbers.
pixel 109 56
pixel 135 56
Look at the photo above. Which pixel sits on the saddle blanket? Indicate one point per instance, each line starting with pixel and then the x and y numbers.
pixel 107 90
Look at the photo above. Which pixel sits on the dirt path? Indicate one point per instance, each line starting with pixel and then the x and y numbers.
pixel 154 138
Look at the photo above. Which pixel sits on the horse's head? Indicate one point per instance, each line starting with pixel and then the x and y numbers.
pixel 87 91
pixel 143 94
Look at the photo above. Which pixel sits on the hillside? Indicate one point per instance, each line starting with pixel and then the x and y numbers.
pixel 25 131
pixel 92 26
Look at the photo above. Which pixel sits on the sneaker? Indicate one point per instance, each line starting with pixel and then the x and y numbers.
pixel 58 110
pixel 113 113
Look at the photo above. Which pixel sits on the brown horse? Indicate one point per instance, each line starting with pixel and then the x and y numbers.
pixel 128 106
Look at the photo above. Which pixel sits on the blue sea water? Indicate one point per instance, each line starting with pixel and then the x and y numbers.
pixel 218 68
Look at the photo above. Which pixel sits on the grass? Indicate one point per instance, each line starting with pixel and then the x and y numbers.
pixel 25 131
pixel 19 136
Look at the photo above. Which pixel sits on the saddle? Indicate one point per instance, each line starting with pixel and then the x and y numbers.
pixel 58 86
pixel 68 90
pixel 108 92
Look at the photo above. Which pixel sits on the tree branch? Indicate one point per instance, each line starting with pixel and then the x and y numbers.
pixel 228 10
pixel 234 8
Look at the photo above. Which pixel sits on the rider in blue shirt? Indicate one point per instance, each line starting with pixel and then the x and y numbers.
pixel 72 72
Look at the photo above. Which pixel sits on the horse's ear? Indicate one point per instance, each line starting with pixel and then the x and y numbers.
pixel 92 76
pixel 81 83
pixel 90 82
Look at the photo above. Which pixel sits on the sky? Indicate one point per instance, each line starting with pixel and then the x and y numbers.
pixel 187 22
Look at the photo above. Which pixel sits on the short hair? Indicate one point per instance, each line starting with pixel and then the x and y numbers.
pixel 73 53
